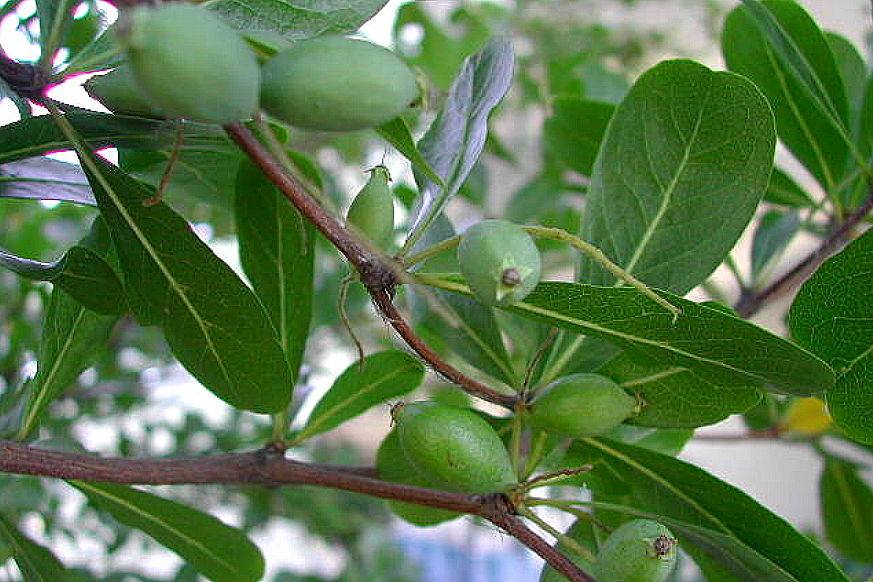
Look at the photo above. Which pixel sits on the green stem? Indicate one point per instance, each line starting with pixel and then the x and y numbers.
pixel 567 541
pixel 432 251
pixel 54 38
pixel 537 449
pixel 281 421
pixel 515 443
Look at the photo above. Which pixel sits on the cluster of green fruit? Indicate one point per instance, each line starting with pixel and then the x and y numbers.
pixel 184 62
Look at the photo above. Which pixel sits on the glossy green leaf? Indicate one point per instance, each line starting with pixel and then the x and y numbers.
pixel 852 68
pixel 215 325
pixel 832 316
pixel 676 397
pixel 385 375
pixel 683 166
pixel 397 133
pixel 457 136
pixel 296 19
pixel 713 344
pixel 575 130
pixel 785 191
pixel 777 45
pixel 37 564
pixel 216 550
pixel 774 231
pixel 39 135
pixel 277 251
pixel 42 178
pixel 677 490
pixel 847 509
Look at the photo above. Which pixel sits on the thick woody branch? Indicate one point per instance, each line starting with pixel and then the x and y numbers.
pixel 377 272
pixel 269 468
pixel 750 303
pixel 26 80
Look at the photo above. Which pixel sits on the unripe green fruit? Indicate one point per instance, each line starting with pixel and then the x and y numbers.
pixel 118 91
pixel 500 262
pixel 372 210
pixel 582 405
pixel 190 64
pixel 392 465
pixel 453 447
pixel 641 550
pixel 337 84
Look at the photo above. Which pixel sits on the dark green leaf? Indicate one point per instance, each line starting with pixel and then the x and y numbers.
pixel 215 325
pixel 55 17
pixel 682 169
pixel 575 130
pixel 296 19
pixel 45 179
pixel 713 344
pixel 667 441
pixel 832 316
pixel 36 563
pixel 100 54
pixel 777 45
pixel 676 397
pixel 667 487
pixel 772 234
pixel 784 190
pixel 218 551
pixel 277 252
pixel 397 133
pixel 385 375
pixel 455 139
pixel 847 510
pixel 852 67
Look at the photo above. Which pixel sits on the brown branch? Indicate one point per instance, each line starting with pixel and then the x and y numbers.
pixel 750 303
pixel 24 79
pixel 378 273
pixel 269 468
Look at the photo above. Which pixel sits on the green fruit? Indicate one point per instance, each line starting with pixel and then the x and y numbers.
pixel 582 405
pixel 392 465
pixel 453 447
pixel 337 84
pixel 500 262
pixel 641 550
pixel 372 210
pixel 119 93
pixel 190 64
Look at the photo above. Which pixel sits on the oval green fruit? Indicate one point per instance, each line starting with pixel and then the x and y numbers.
pixel 118 91
pixel 500 262
pixel 392 465
pixel 335 83
pixel 640 550
pixel 372 210
pixel 191 65
pixel 582 405
pixel 454 447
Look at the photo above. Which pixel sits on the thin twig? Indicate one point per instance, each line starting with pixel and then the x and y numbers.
pixel 750 303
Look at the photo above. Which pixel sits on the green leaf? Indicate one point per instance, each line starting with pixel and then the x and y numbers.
pixel 847 509
pixel 684 164
pixel 852 68
pixel 277 252
pixel 72 338
pixel 779 46
pixel 832 316
pixel 215 325
pixel 80 272
pixel 667 441
pixel 575 130
pixel 37 564
pixel 397 133
pixel 583 533
pixel 296 19
pixel 55 17
pixel 385 375
pixel 785 191
pixel 218 551
pixel 100 54
pixel 456 137
pixel 675 397
pixel 44 178
pixel 39 135
pixel 679 491
pixel 711 343
pixel 772 234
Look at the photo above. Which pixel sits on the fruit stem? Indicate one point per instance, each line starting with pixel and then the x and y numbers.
pixel 515 441
pixel 599 257
pixel 433 250
pixel 567 541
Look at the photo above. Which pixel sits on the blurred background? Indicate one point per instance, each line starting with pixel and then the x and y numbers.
pixel 137 401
